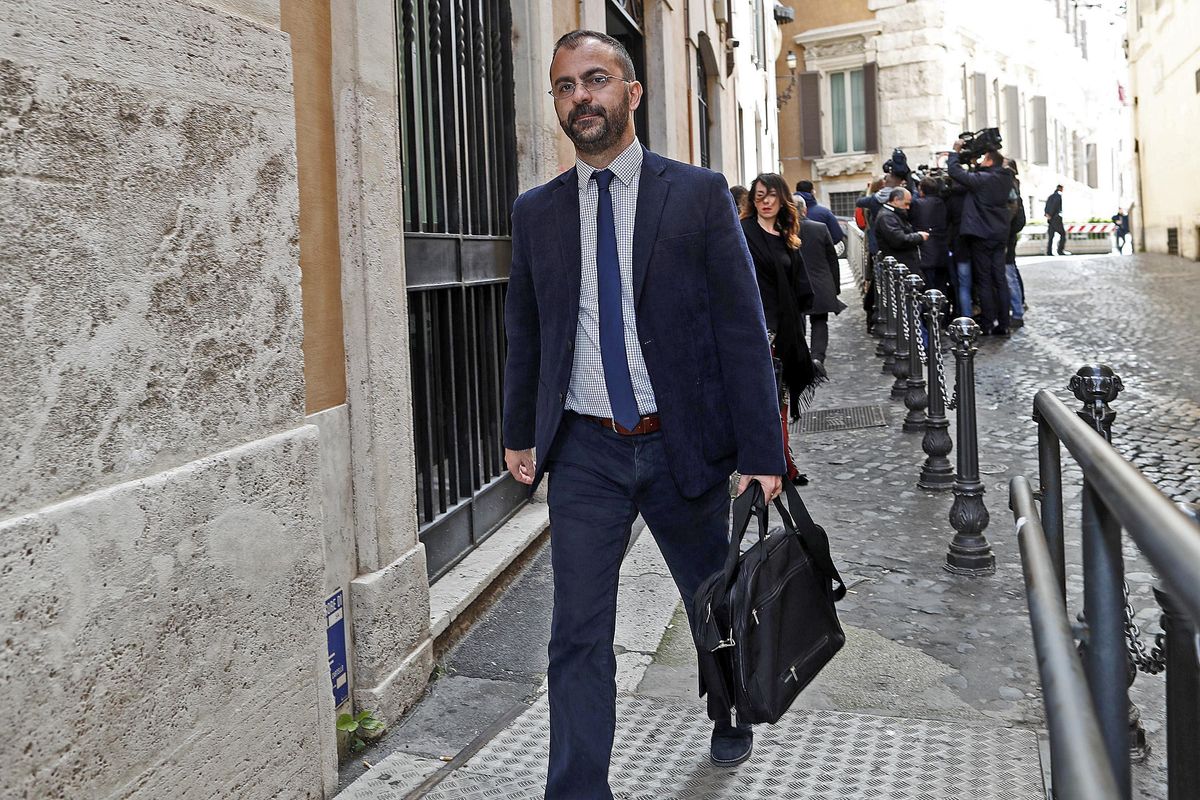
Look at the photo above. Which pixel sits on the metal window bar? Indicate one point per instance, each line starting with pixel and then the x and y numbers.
pixel 458 140
pixel 1087 736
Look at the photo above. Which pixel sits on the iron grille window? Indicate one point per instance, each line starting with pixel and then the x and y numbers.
pixel 1173 241
pixel 456 123
pixel 842 203
pixel 458 143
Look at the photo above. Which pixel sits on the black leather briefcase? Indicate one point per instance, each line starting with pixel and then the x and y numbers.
pixel 765 624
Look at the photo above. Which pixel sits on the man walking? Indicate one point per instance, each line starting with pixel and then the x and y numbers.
pixel 825 277
pixel 819 213
pixel 1054 222
pixel 985 224
pixel 639 369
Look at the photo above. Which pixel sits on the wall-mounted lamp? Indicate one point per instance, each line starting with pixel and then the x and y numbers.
pixel 786 95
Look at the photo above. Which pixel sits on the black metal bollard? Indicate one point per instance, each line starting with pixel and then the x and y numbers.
pixel 903 321
pixel 970 552
pixel 887 292
pixel 915 398
pixel 937 473
pixel 1183 690
pixel 879 314
pixel 1096 385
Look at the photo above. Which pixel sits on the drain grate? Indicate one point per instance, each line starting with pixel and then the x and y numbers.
pixel 827 420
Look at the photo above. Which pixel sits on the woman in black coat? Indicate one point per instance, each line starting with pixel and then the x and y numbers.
pixel 771 224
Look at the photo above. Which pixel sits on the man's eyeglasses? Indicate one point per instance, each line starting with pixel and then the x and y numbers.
pixel 593 84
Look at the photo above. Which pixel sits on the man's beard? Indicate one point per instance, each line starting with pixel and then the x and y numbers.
pixel 601 135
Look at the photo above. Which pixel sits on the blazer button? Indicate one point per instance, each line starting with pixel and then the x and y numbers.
pixel 562 398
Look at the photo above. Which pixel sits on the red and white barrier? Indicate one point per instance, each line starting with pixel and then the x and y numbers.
pixel 1091 227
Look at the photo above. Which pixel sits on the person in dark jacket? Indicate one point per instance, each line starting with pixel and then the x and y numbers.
pixel 928 213
pixel 819 213
pixel 825 276
pixel 1121 220
pixel 1054 222
pixel 894 233
pixel 985 222
pixel 1016 286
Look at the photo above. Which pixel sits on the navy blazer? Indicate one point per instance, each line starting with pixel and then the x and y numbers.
pixel 699 320
pixel 985 210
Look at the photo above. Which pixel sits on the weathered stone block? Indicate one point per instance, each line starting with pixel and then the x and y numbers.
pixel 150 300
pixel 165 638
pixel 391 616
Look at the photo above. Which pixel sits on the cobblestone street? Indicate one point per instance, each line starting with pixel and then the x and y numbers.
pixel 923 645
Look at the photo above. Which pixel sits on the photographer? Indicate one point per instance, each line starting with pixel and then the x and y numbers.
pixel 984 227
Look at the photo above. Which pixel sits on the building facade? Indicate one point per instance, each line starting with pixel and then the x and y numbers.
pixel 881 74
pixel 1165 67
pixel 252 475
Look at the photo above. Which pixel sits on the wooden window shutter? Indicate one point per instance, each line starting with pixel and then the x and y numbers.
pixel 809 86
pixel 1041 133
pixel 871 105
pixel 1014 128
pixel 979 92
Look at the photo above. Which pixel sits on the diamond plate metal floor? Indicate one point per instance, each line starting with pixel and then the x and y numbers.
pixel 661 754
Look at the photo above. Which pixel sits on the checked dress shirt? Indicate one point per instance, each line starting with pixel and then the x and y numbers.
pixel 588 393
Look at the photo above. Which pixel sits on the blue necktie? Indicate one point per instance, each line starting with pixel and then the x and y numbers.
pixel 612 320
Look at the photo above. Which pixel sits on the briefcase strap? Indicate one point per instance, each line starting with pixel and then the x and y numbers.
pixel 796 517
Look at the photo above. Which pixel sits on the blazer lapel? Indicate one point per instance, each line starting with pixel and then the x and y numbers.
pixel 652 199
pixel 566 206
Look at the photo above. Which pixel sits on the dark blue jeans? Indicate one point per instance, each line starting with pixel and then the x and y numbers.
pixel 599 482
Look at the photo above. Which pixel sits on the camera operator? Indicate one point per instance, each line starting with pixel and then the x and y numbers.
pixel 893 232
pixel 984 227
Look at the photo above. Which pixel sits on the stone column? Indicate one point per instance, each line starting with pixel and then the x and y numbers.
pixel 390 597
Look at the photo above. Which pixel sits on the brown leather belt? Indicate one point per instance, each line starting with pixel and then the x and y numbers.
pixel 647 424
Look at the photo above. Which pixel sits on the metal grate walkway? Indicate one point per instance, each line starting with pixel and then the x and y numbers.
pixel 662 747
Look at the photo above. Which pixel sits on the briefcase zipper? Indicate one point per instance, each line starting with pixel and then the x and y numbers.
pixel 778 589
pixel 791 671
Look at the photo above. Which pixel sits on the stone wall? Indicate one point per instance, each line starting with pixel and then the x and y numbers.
pixel 160 520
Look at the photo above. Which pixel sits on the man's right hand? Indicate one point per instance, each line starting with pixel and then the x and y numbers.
pixel 924 235
pixel 521 464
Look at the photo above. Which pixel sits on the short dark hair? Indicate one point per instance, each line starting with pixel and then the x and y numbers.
pixel 897 193
pixel 573 39
pixel 804 186
pixel 1058 188
pixel 929 187
pixel 996 158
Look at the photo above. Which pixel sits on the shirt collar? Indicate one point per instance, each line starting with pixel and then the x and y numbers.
pixel 625 167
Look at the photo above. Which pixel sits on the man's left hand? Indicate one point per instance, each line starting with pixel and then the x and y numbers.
pixel 772 485
pixel 958 145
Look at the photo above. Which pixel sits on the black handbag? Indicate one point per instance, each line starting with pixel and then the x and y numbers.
pixel 765 624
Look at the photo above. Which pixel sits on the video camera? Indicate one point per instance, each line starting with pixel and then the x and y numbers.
pixel 938 175
pixel 976 143
pixel 897 165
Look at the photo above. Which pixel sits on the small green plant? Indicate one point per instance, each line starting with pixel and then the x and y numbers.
pixel 360 728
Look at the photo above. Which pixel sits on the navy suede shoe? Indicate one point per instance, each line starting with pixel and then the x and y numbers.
pixel 731 745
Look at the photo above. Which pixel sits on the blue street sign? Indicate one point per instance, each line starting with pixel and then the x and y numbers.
pixel 335 626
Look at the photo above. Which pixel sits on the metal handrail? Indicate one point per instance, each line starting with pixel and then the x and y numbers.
pixel 1076 746
pixel 1087 706
pixel 1164 533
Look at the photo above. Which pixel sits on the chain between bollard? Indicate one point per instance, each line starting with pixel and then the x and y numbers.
pixel 1152 661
